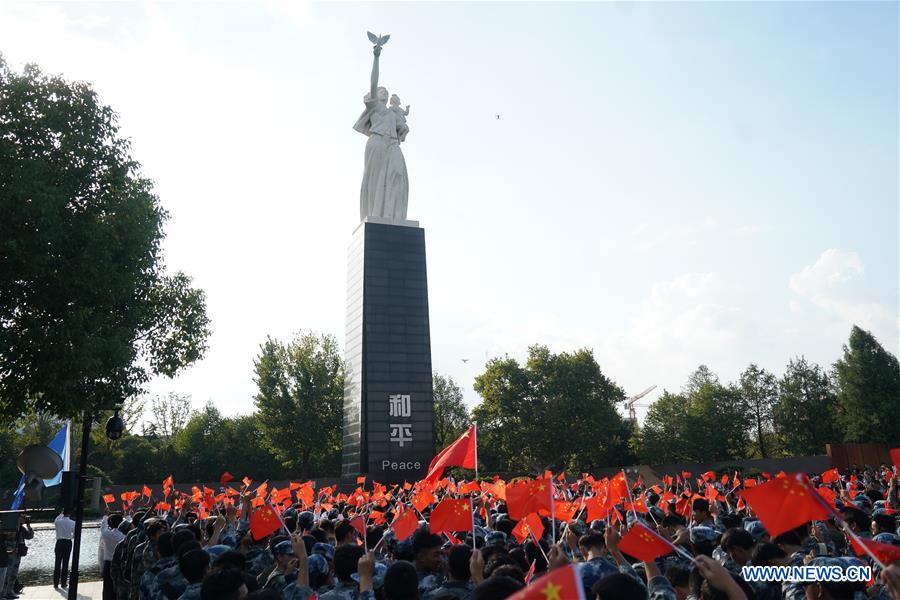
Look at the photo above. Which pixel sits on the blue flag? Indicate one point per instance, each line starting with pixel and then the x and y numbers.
pixel 60 445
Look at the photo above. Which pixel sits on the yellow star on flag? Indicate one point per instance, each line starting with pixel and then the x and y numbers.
pixel 551 592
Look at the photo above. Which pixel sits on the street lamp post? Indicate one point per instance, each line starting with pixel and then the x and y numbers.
pixel 115 426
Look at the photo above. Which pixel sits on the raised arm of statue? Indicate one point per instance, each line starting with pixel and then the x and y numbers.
pixel 373 91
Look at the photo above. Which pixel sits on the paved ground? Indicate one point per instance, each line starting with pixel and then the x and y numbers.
pixel 87 590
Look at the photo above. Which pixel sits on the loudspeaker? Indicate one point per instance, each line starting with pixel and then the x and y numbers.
pixel 68 490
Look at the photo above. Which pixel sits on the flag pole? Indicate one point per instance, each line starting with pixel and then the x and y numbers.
pixel 475 431
pixel 472 512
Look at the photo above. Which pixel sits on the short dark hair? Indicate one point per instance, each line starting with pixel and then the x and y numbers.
pixel 765 553
pixel 193 565
pixel 231 559
pixel 342 530
pixel 155 527
pixel 857 517
pixel 496 588
pixel 790 538
pixel 700 504
pixel 114 520
pixel 374 535
pixel 401 581
pixel 592 540
pixel 458 562
pixel 346 560
pixel 619 586
pixel 730 520
pixel 737 537
pixel 181 537
pixel 513 571
pixel 164 544
pixel 425 540
pixel 678 576
pixel 885 522
pixel 222 585
pixel 672 521
pixel 497 560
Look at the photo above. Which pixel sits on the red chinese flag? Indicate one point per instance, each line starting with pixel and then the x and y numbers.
pixel 532 522
pixel 830 476
pixel 469 487
pixel 264 522
pixel 886 553
pixel 452 514
pixel 163 506
pixel 361 480
pixel 109 498
pixel 895 458
pixel 724 480
pixel 829 496
pixel 618 489
pixel 667 480
pixel 527 497
pixel 709 476
pixel 565 511
pixel 596 508
pixel 167 485
pixel 784 503
pixel 563 583
pixel 246 481
pixel 643 543
pixel 225 478
pixel 531 571
pixel 404 524
pixel 686 474
pixel 423 500
pixel 460 453
pixel 359 524
pixel 748 483
pixel 146 491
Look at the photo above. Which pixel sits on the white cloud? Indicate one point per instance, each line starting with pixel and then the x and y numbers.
pixel 824 285
pixel 749 230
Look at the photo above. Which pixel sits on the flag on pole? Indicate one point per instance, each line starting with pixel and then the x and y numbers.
pixel 524 497
pixel 563 583
pixel 784 503
pixel 645 544
pixel 460 453
pixel 452 514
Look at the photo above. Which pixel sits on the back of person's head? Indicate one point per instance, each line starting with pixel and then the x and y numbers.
pixel 114 520
pixel 373 535
pixel 180 537
pixel 346 559
pixel 672 521
pixel 156 527
pixel 187 547
pixel 885 523
pixel 592 541
pixel 458 562
pixel 534 555
pixel 320 536
pixel 232 559
pixel 164 544
pixel 619 586
pixel 343 531
pixel 506 526
pixel 425 540
pixel 497 588
pixel 765 554
pixel 222 585
pixel 509 571
pixel 857 517
pixel 788 538
pixel 193 565
pixel 737 537
pixel 678 576
pixel 497 560
pixel 730 520
pixel 401 581
pixel 700 504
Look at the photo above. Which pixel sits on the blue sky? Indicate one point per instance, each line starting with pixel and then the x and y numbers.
pixel 669 184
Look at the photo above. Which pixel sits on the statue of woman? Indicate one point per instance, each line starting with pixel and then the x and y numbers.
pixel 385 184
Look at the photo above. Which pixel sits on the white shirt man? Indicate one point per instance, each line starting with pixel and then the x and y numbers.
pixel 65 531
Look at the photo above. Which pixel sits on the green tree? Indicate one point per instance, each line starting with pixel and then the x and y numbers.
pixel 759 391
pixel 451 418
pixel 804 415
pixel 661 438
pixel 706 421
pixel 87 313
pixel 558 412
pixel 867 378
pixel 300 402
pixel 168 415
pixel 201 449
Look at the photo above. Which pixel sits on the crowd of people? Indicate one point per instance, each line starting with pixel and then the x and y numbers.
pixel 255 542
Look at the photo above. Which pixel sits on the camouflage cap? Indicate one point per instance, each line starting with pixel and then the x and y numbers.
pixel 496 538
pixel 700 535
pixel 756 529
pixel 888 538
pixel 318 565
pixel 323 549
pixel 377 579
pixel 284 548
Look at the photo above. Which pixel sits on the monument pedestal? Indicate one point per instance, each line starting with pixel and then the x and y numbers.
pixel 388 397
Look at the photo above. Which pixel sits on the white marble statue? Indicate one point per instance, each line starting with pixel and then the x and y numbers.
pixel 385 185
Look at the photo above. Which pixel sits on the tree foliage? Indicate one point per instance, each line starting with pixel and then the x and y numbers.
pixel 759 392
pixel 169 414
pixel 867 378
pixel 804 415
pixel 451 418
pixel 87 312
pixel 300 402
pixel 557 411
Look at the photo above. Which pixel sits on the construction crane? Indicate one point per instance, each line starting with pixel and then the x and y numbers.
pixel 629 403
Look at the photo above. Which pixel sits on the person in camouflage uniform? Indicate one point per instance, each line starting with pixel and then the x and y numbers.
pixel 145 555
pixel 597 565
pixel 286 563
pixel 148 588
pixel 738 545
pixel 194 565
pixel 428 560
pixel 171 580
pixel 346 560
pixel 459 582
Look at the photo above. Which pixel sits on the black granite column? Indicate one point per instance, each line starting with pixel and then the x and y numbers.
pixel 388 397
